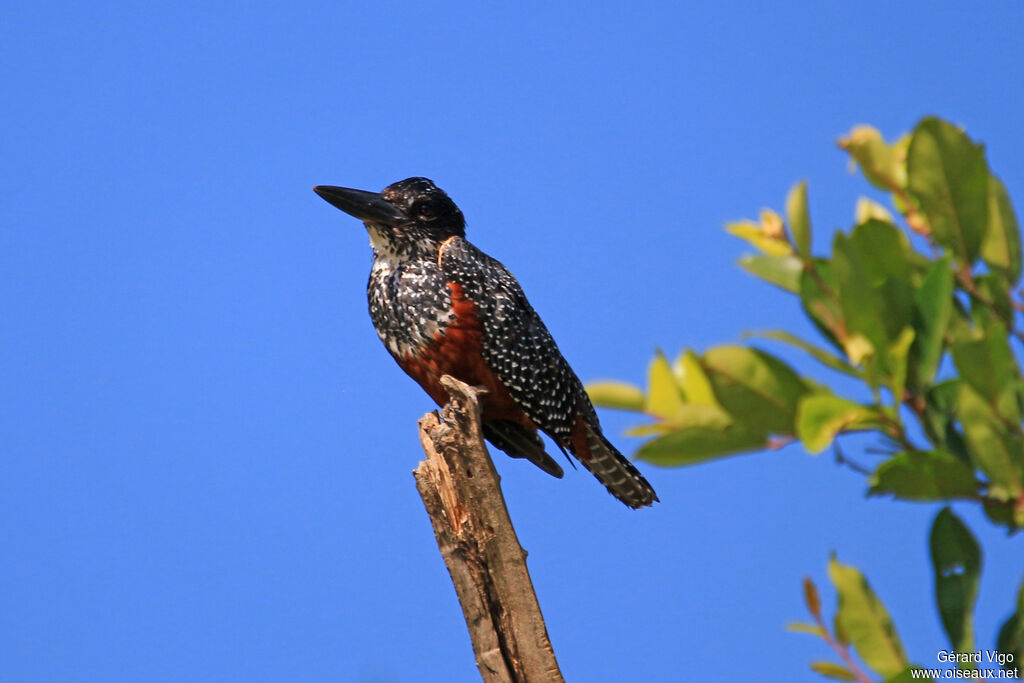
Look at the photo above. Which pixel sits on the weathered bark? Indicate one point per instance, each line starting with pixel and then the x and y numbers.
pixel 460 490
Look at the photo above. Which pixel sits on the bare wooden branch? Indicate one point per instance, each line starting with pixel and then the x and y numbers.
pixel 460 489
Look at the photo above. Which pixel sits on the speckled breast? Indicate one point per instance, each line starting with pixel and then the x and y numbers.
pixel 410 304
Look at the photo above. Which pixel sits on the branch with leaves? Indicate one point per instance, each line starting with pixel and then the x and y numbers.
pixel 862 623
pixel 926 332
pixel 893 317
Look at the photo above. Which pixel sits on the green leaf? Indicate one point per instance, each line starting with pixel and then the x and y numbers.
pixel 618 395
pixel 934 304
pixel 920 475
pixel 956 559
pixel 693 445
pixel 836 672
pixel 1011 634
pixel 842 637
pixel 1001 247
pixel 652 429
pixel 867 622
pixel 1003 513
pixel 898 351
pixel 872 272
pixel 820 417
pixel 880 163
pixel 756 236
pixel 867 209
pixel 781 271
pixel 804 627
pixel 664 399
pixel 948 177
pixel 986 363
pixel 689 415
pixel 799 219
pixel 940 416
pixel 819 296
pixel 821 355
pixel 690 375
pixel 992 448
pixel 757 389
pixel 883 250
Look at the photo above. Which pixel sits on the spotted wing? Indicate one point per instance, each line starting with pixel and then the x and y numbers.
pixel 516 345
pixel 521 353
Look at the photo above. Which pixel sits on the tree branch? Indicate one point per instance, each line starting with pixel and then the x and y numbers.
pixel 460 490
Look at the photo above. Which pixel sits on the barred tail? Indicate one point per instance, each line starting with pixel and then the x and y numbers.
pixel 611 468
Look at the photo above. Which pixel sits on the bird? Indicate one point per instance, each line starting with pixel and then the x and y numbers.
pixel 442 306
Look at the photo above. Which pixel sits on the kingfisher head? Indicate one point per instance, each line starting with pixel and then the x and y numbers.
pixel 405 218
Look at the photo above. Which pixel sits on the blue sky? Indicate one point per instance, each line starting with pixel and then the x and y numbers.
pixel 207 453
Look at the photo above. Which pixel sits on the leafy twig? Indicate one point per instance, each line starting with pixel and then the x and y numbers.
pixel 843 460
pixel 814 606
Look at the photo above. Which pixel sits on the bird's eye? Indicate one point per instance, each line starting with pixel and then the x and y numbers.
pixel 424 210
